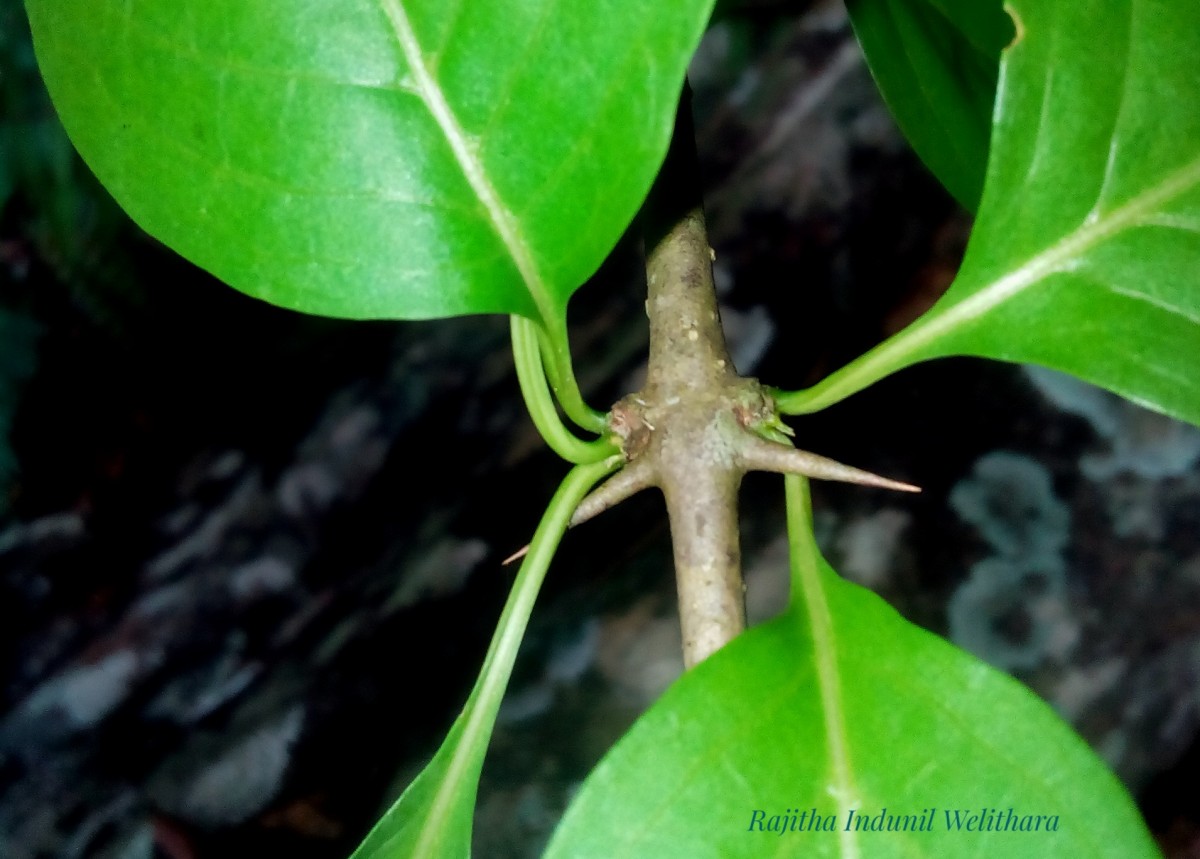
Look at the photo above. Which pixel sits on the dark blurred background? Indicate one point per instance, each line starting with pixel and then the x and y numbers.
pixel 250 560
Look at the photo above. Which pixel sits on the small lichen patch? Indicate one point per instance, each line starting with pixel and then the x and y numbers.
pixel 1012 610
pixel 1010 500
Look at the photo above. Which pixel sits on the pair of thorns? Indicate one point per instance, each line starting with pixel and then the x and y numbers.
pixel 768 451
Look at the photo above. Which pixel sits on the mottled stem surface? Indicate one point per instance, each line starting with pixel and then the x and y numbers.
pixel 690 382
pixel 697 426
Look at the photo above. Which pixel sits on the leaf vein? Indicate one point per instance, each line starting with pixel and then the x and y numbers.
pixel 1114 146
pixel 148 36
pixel 1154 301
pixel 1171 221
pixel 1000 756
pixel 465 153
pixel 961 149
pixel 436 55
pixel 1058 257
pixel 503 97
pixel 263 182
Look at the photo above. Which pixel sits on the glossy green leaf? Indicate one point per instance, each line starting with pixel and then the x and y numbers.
pixel 1086 252
pixel 936 63
pixel 376 158
pixel 837 711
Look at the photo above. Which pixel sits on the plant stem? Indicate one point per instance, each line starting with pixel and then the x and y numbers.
pixel 697 426
pixel 691 374
pixel 862 372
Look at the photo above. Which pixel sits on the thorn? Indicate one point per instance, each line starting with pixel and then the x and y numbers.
pixel 760 455
pixel 633 478
pixel 516 556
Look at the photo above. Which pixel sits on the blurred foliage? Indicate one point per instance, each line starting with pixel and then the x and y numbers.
pixel 58 228
pixel 18 356
pixel 51 206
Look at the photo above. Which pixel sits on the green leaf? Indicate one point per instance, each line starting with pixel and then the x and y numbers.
pixel 1087 246
pixel 376 158
pixel 936 63
pixel 432 818
pixel 839 706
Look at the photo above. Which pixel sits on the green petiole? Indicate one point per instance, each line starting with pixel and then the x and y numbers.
pixel 532 371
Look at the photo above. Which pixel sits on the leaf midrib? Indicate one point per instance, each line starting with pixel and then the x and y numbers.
pixel 1059 256
pixel 463 148
pixel 829 686
pixel 920 340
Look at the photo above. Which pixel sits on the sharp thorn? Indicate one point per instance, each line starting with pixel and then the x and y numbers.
pixel 633 478
pixel 614 490
pixel 516 556
pixel 761 455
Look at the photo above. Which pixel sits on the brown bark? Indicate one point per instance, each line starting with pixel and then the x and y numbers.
pixel 697 426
